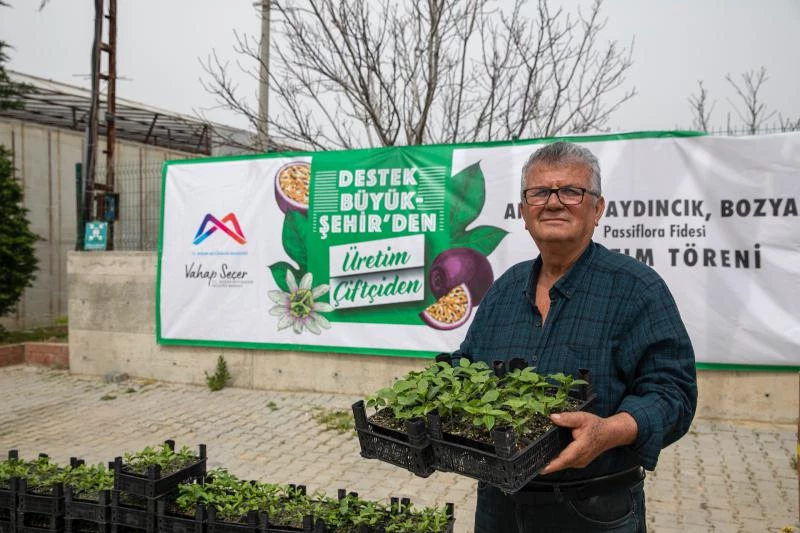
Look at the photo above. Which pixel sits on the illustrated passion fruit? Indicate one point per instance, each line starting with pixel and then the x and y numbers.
pixel 292 185
pixel 451 310
pixel 461 265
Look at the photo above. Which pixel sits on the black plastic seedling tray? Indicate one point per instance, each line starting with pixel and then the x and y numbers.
pixel 254 523
pixel 141 515
pixel 170 521
pixel 8 505
pixel 411 450
pixel 501 466
pixel 153 484
pixel 98 511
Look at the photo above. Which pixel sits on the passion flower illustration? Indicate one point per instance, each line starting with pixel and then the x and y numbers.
pixel 299 307
pixel 459 279
pixel 292 185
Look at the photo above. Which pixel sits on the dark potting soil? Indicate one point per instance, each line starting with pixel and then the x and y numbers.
pixel 385 419
pixel 461 427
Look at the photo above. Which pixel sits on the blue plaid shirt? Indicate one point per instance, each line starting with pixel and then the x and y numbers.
pixel 612 315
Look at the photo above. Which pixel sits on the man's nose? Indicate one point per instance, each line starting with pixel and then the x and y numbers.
pixel 553 202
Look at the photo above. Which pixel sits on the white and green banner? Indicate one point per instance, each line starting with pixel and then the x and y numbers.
pixel 390 250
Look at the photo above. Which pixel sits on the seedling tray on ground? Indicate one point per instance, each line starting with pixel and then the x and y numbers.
pixel 140 515
pixel 154 484
pixel 309 526
pixel 171 521
pixel 502 466
pixel 254 523
pixel 86 526
pixel 98 511
pixel 400 504
pixel 411 450
pixel 49 501
pixel 258 522
pixel 8 506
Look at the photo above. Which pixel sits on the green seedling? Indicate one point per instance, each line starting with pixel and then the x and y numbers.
pixel 220 378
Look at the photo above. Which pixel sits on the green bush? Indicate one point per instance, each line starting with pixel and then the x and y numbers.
pixel 220 377
pixel 18 261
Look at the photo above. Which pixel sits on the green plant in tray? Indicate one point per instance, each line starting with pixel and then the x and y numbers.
pixel 472 400
pixel 286 506
pixel 88 480
pixel 164 456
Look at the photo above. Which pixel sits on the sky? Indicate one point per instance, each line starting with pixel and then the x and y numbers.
pixel 676 43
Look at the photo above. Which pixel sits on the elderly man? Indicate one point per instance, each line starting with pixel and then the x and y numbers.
pixel 579 305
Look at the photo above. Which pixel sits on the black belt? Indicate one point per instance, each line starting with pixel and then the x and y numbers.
pixel 540 493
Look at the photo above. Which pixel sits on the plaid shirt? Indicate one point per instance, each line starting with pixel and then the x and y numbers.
pixel 612 315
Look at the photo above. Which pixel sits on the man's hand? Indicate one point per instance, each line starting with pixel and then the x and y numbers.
pixel 592 436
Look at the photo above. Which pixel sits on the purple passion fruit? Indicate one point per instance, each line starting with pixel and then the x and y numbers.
pixel 450 311
pixel 291 186
pixel 461 265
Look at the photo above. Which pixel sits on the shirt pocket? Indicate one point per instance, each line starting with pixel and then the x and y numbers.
pixel 605 378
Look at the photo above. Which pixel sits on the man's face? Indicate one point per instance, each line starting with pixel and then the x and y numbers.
pixel 554 222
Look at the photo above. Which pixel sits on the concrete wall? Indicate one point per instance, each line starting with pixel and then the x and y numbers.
pixel 112 328
pixel 45 158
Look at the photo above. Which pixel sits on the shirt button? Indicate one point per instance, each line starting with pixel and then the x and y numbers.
pixel 534 359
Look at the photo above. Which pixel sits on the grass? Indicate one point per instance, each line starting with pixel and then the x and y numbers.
pixel 338 420
pixel 57 333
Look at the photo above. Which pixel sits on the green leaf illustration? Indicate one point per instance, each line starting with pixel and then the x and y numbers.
pixel 295 230
pixel 483 239
pixel 279 274
pixel 467 193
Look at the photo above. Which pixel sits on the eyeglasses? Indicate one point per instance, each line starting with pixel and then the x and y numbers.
pixel 566 195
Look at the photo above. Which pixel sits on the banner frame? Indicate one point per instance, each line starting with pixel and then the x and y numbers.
pixel 385 352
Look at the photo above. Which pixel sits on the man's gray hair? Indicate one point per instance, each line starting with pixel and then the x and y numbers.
pixel 561 152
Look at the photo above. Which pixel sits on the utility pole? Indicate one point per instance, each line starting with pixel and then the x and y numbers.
pixel 90 209
pixel 263 78
pixel 90 146
pixel 111 111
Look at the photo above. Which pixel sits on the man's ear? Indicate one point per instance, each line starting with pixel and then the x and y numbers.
pixel 599 209
pixel 521 208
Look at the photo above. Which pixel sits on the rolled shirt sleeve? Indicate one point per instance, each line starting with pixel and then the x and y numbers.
pixel 663 395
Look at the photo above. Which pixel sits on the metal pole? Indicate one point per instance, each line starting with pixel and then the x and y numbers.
pixel 111 112
pixel 263 78
pixel 80 208
pixel 90 153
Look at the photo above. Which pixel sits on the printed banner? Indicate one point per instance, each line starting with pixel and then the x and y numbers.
pixel 390 250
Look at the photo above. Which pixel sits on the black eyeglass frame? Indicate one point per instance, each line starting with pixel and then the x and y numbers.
pixel 557 192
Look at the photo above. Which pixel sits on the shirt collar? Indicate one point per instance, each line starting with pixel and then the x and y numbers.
pixel 568 283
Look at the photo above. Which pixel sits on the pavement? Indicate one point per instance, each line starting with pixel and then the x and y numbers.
pixel 722 476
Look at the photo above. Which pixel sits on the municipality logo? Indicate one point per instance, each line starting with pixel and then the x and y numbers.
pixel 211 224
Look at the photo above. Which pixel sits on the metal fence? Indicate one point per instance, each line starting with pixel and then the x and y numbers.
pixel 139 211
pixel 763 130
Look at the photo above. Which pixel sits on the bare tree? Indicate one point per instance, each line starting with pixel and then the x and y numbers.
pixel 754 114
pixel 701 112
pixel 752 111
pixel 354 73
pixel 788 123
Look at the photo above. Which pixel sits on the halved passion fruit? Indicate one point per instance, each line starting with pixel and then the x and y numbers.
pixel 461 265
pixel 292 185
pixel 451 310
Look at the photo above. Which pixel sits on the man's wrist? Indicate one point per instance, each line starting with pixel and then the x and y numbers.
pixel 622 429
